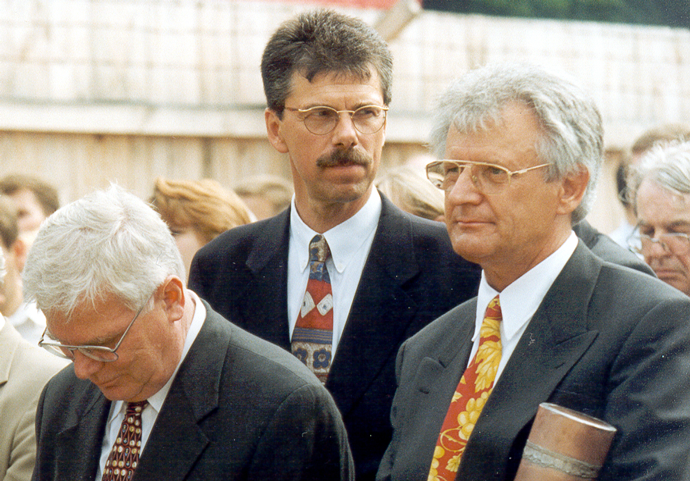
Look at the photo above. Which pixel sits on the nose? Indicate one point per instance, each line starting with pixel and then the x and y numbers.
pixel 464 191
pixel 84 366
pixel 345 134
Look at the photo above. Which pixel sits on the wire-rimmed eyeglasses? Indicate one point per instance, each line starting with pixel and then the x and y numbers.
pixel 97 353
pixel 321 120
pixel 487 178
pixel 675 243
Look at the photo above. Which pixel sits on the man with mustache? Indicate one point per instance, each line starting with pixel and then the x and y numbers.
pixel 386 274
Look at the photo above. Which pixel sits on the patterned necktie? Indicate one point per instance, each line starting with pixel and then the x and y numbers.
pixel 313 334
pixel 124 456
pixel 469 398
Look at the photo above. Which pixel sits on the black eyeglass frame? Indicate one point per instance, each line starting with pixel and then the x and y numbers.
pixel 56 348
pixel 338 112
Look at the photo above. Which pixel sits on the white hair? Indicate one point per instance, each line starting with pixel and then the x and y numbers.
pixel 107 243
pixel 573 138
pixel 667 164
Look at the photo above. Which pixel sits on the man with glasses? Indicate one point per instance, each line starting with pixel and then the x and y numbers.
pixel 161 386
pixel 521 151
pixel 384 274
pixel 660 190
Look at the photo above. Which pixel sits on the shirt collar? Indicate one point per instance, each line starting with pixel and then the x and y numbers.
pixel 345 239
pixel 28 313
pixel 521 299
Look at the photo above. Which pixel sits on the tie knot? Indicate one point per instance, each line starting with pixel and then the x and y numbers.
pixel 318 249
pixel 493 310
pixel 136 407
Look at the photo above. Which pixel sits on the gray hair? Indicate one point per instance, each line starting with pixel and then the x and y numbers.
pixel 573 133
pixel 667 164
pixel 107 243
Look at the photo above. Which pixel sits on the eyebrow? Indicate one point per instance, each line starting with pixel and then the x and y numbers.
pixel 98 342
pixel 357 106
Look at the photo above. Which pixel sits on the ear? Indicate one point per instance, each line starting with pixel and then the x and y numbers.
pixel 174 297
pixel 273 128
pixel 572 189
pixel 19 251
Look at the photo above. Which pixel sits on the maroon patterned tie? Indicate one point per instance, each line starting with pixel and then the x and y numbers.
pixel 313 334
pixel 124 456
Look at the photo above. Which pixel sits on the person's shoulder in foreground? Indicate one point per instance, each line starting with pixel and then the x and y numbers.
pixel 24 371
pixel 596 346
pixel 604 247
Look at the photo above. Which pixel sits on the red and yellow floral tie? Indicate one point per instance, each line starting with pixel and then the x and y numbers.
pixel 124 456
pixel 312 338
pixel 469 398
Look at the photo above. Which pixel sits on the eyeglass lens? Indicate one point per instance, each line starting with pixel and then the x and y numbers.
pixel 677 244
pixel 367 120
pixel 486 177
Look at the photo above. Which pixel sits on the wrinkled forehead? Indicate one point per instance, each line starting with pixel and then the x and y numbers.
pixel 342 78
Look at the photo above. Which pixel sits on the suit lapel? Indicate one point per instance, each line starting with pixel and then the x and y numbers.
pixel 554 340
pixel 380 312
pixel 265 295
pixel 83 438
pixel 177 437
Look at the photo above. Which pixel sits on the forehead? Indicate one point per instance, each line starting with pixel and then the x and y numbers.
pixel 657 205
pixel 334 89
pixel 90 322
pixel 26 198
pixel 505 141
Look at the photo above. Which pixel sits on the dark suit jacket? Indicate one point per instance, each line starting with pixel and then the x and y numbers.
pixel 411 277
pixel 606 341
pixel 239 409
pixel 604 247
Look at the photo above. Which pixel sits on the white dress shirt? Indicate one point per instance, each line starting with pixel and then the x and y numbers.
pixel 521 299
pixel 349 243
pixel 150 412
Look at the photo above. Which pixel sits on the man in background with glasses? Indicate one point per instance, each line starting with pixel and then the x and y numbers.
pixel 660 190
pixel 521 151
pixel 161 386
pixel 384 274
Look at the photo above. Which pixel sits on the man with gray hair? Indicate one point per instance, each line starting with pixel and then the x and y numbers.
pixel 660 191
pixel 521 151
pixel 161 387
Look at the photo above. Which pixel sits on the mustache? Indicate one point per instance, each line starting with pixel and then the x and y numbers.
pixel 343 157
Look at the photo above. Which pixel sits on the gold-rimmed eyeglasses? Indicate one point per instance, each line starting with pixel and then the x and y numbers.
pixel 321 120
pixel 97 353
pixel 487 178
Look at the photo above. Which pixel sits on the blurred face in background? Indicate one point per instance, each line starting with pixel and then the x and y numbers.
pixel 29 211
pixel 662 213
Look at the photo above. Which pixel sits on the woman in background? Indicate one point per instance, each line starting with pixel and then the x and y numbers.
pixel 197 211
